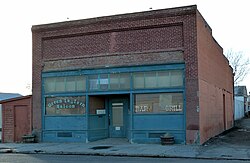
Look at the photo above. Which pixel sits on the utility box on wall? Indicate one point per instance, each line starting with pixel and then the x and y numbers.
pixel 17 118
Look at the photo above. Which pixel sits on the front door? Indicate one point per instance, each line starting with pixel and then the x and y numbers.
pixel 118 111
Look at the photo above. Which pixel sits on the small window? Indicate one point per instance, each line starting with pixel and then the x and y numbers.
pixel 114 81
pixel 60 84
pixel 176 78
pixel 93 82
pixel 70 84
pixel 49 85
pixel 80 83
pixel 163 79
pixel 150 80
pixel 124 81
pixel 139 80
pixel 104 81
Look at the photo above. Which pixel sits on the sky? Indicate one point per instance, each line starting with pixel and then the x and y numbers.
pixel 229 20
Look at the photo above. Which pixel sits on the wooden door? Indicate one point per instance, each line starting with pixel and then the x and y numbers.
pixel 21 123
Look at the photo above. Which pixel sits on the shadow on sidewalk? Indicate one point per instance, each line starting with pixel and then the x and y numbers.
pixel 239 135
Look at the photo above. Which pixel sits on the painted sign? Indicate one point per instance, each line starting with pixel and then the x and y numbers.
pixel 143 108
pixel 65 105
pixel 173 108
pixel 101 111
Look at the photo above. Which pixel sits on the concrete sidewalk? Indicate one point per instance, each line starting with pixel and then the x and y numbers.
pixel 234 144
pixel 139 150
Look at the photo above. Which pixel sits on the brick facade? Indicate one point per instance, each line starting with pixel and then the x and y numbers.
pixel 122 40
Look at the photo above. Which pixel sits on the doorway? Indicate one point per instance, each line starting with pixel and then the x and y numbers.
pixel 108 116
pixel 118 117
pixel 21 123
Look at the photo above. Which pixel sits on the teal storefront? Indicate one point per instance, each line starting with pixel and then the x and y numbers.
pixel 138 103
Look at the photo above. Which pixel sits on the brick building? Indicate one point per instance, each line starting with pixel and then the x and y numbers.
pixel 135 76
pixel 17 118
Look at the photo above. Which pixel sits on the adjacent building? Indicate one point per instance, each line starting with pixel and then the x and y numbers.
pixel 134 76
pixel 240 102
pixel 16 118
pixel 5 96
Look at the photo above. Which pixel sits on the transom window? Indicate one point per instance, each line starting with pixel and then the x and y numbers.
pixel 158 79
pixel 65 84
pixel 114 81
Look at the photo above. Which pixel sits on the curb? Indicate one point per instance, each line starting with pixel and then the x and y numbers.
pixel 7 150
pixel 123 155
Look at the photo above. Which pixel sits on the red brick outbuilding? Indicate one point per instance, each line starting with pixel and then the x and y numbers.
pixel 17 118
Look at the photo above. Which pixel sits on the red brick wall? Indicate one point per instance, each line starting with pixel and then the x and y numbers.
pixel 8 124
pixel 8 117
pixel 215 79
pixel 130 40
pixel 154 37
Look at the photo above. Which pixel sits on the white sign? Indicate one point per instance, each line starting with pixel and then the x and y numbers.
pixel 117 128
pixel 102 111
pixel 104 81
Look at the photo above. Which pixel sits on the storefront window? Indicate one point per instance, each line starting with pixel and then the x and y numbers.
pixel 158 103
pixel 73 105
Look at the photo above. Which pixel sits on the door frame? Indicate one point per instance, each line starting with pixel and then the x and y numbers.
pixel 123 133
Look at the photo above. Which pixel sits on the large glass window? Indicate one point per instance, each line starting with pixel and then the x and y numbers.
pixel 65 84
pixel 65 105
pixel 158 103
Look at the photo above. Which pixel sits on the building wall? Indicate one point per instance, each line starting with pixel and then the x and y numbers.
pixel 215 80
pixel 8 111
pixel 239 105
pixel 123 40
